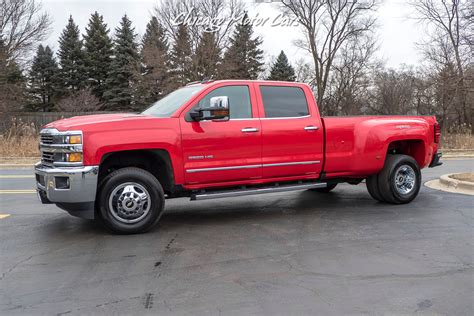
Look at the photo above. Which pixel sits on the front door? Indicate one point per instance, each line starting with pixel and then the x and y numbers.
pixel 292 132
pixel 223 151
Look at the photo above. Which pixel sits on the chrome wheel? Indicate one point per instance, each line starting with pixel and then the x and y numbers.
pixel 129 202
pixel 405 179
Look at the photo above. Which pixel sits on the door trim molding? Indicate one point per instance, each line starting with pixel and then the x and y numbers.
pixel 291 163
pixel 254 166
pixel 223 168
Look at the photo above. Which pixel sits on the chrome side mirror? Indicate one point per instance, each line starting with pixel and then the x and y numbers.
pixel 218 109
pixel 219 102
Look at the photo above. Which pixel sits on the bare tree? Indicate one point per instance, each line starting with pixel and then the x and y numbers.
pixel 448 21
pixel 81 101
pixel 169 13
pixel 393 92
pixel 347 91
pixel 304 72
pixel 225 14
pixel 22 26
pixel 328 25
pixel 445 95
pixel 450 43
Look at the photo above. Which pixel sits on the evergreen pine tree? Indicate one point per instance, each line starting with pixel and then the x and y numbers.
pixel 181 58
pixel 12 83
pixel 155 36
pixel 207 57
pixel 282 69
pixel 72 74
pixel 119 83
pixel 3 62
pixel 42 79
pixel 98 51
pixel 243 59
pixel 155 64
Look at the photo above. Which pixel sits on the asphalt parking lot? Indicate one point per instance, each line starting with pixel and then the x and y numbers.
pixel 277 254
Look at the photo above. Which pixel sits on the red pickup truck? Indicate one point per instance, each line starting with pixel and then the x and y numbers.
pixel 221 139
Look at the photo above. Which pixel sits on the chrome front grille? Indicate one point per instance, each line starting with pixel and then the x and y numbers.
pixel 47 158
pixel 47 139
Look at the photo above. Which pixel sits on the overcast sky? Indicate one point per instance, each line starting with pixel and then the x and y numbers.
pixel 397 33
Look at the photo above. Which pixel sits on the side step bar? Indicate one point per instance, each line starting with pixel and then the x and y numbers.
pixel 254 191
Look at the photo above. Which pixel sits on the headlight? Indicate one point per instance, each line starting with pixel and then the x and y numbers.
pixel 66 139
pixel 62 149
pixel 74 139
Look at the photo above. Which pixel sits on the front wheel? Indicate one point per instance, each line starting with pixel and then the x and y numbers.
pixel 131 200
pixel 400 180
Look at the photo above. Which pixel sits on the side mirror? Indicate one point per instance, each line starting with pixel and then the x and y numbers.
pixel 218 109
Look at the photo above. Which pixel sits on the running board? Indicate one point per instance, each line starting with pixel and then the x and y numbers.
pixel 242 192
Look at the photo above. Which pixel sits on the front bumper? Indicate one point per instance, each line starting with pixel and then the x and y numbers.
pixel 67 185
pixel 71 188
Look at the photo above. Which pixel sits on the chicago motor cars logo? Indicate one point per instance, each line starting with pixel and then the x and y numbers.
pixel 195 18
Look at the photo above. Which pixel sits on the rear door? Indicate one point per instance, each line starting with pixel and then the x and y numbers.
pixel 292 132
pixel 224 151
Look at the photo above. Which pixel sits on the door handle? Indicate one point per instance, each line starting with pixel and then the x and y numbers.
pixel 249 130
pixel 311 128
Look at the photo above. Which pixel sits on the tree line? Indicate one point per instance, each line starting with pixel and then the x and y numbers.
pixel 97 71
pixel 118 71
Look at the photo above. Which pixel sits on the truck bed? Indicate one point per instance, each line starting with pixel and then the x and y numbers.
pixel 357 145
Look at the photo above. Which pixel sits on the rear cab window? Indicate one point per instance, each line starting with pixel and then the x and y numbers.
pixel 284 102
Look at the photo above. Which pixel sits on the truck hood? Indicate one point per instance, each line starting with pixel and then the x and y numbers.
pixel 98 121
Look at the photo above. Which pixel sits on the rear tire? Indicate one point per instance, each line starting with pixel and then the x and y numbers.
pixel 400 180
pixel 327 189
pixel 373 188
pixel 130 201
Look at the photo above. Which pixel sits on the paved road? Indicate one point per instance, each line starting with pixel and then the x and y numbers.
pixel 286 253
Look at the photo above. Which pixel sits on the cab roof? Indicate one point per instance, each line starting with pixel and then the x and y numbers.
pixel 242 81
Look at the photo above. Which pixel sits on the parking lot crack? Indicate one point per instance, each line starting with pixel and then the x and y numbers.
pixel 100 305
pixel 168 246
pixel 465 216
pixel 4 274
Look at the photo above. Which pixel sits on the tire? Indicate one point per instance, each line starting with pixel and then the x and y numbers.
pixel 130 201
pixel 327 189
pixel 373 188
pixel 400 180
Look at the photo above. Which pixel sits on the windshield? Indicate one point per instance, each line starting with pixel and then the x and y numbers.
pixel 166 106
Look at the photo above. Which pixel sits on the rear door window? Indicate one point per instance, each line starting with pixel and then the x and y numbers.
pixel 281 101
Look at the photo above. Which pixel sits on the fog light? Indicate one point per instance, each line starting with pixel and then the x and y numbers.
pixel 74 157
pixel 62 183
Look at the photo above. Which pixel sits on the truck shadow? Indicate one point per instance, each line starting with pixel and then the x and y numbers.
pixel 301 204
pixel 345 203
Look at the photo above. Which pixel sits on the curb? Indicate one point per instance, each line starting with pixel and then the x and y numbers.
pixel 456 184
pixel 12 165
pixel 16 166
pixel 457 153
pixel 447 184
pixel 455 156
